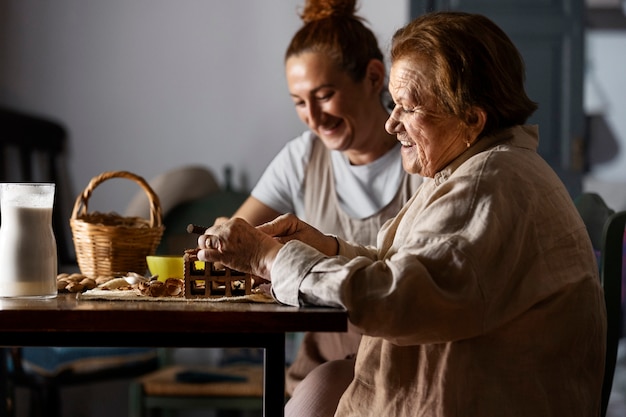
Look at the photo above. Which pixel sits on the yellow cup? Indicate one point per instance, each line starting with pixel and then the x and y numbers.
pixel 166 266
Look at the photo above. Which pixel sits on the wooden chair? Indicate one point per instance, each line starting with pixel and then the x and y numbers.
pixel 606 230
pixel 611 267
pixel 45 371
pixel 232 388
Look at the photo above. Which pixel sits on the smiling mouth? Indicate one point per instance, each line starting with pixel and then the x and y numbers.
pixel 406 143
pixel 331 128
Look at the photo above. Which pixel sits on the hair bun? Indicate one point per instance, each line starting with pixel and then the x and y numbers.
pixel 322 9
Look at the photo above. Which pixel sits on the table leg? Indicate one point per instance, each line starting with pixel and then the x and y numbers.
pixel 274 376
pixel 6 390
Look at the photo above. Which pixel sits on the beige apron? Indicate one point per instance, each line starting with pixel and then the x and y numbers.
pixel 323 211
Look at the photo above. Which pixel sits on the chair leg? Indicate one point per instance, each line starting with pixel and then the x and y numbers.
pixel 135 403
pixel 137 407
pixel 7 389
pixel 45 401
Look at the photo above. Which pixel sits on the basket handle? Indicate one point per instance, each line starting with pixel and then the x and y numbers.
pixel 81 204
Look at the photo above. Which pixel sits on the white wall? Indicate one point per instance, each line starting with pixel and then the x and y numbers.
pixel 149 85
pixel 605 96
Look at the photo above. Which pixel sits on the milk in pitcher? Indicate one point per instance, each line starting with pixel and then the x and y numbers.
pixel 28 251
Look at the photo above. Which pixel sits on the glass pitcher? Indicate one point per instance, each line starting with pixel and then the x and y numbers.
pixel 28 250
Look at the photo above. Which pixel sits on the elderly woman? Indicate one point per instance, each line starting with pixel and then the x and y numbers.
pixel 482 297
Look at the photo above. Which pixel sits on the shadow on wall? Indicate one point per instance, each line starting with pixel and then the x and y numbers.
pixel 4 41
pixel 602 147
pixel 602 144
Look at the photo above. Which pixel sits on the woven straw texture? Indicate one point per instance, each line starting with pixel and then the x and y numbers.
pixel 108 244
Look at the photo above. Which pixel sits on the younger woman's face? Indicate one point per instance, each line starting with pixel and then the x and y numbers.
pixel 328 101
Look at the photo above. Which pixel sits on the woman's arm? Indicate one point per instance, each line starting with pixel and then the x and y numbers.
pixel 253 211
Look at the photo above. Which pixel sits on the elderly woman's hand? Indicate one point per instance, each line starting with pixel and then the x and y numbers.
pixel 289 227
pixel 220 220
pixel 239 246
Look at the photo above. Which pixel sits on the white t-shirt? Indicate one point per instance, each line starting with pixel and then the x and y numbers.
pixel 363 190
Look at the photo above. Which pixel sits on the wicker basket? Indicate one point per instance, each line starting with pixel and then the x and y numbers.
pixel 108 244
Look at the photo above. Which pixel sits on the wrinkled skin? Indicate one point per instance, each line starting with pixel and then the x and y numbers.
pixel 430 137
pixel 242 247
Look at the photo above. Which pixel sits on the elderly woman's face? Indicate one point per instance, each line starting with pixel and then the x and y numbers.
pixel 430 139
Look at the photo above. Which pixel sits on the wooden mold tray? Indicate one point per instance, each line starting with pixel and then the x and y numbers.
pixel 211 282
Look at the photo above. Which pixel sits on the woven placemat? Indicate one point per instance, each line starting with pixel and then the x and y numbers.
pixel 131 295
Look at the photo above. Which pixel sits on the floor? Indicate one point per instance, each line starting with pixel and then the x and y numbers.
pixel 111 399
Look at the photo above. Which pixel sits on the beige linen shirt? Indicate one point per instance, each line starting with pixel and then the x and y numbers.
pixel 481 299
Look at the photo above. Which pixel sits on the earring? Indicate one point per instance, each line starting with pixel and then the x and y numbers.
pixel 468 143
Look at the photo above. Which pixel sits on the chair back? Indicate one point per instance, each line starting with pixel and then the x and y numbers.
pixel 174 186
pixel 611 258
pixel 606 231
pixel 201 211
pixel 594 213
pixel 30 151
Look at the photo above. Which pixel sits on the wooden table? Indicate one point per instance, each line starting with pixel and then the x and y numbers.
pixel 66 321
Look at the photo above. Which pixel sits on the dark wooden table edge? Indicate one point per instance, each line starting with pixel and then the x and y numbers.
pixel 23 324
